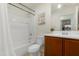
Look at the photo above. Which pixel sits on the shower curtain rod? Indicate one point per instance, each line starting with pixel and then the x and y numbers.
pixel 26 7
pixel 20 8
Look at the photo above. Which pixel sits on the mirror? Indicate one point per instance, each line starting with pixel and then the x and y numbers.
pixel 64 18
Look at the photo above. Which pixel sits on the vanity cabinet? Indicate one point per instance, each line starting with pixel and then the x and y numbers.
pixel 56 46
pixel 53 46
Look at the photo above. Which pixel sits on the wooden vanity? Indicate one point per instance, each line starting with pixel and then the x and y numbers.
pixel 61 46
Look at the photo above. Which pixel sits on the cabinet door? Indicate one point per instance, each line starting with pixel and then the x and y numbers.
pixel 72 47
pixel 53 46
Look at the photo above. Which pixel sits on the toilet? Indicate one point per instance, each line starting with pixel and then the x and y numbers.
pixel 34 49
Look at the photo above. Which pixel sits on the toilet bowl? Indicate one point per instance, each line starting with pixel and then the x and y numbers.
pixel 34 49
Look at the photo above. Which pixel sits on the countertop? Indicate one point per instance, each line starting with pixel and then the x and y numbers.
pixel 64 34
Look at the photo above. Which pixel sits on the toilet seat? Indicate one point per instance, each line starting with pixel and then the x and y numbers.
pixel 34 48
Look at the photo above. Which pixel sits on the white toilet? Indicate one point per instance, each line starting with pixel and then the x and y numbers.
pixel 34 50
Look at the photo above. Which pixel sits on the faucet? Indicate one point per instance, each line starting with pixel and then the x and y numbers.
pixel 65 33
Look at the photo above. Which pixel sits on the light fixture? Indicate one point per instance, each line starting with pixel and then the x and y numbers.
pixel 59 6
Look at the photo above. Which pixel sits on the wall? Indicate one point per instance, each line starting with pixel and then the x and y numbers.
pixel 70 11
pixel 43 8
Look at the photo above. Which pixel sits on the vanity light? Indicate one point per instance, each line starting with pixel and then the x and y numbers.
pixel 59 6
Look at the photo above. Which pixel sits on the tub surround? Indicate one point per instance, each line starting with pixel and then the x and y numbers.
pixel 61 43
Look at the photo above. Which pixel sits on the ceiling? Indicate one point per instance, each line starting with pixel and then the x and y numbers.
pixel 54 5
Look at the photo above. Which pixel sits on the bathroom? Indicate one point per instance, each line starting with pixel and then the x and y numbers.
pixel 23 26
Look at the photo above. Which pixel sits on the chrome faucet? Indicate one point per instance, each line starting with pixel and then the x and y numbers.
pixel 65 33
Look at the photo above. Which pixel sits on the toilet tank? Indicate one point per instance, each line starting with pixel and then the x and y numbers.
pixel 40 40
